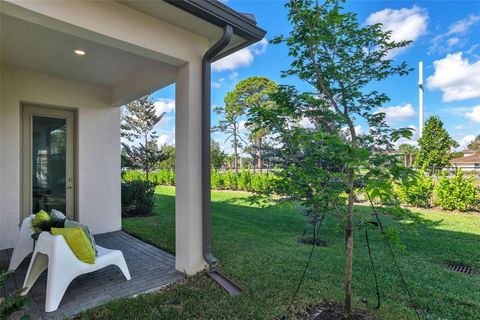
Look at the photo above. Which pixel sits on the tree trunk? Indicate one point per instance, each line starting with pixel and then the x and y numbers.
pixel 260 164
pixel 147 169
pixel 405 160
pixel 347 282
pixel 235 148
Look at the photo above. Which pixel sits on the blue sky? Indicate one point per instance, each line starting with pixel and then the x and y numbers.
pixel 445 35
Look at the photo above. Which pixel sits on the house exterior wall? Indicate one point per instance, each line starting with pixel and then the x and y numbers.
pixel 98 147
pixel 468 166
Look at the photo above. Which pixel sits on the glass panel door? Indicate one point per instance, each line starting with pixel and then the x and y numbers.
pixel 48 161
pixel 49 138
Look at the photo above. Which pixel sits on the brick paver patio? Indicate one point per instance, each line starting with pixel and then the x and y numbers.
pixel 150 268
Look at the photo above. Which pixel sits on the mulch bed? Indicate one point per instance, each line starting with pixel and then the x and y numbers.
pixel 331 311
pixel 318 242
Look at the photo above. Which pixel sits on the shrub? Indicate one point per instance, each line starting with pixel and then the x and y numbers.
pixel 457 193
pixel 230 180
pixel 11 302
pixel 245 180
pixel 137 198
pixel 419 193
pixel 217 180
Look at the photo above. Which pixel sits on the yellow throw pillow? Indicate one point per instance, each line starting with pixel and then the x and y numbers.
pixel 78 242
pixel 39 217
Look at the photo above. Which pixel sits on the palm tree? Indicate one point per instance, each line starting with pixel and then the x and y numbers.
pixel 408 151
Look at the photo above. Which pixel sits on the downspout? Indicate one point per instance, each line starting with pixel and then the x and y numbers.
pixel 206 128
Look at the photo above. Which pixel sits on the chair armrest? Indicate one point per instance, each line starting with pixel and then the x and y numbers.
pixel 54 246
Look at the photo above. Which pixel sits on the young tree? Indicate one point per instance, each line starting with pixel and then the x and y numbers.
pixel 253 92
pixel 475 144
pixel 217 155
pixel 138 122
pixel 435 147
pixel 323 164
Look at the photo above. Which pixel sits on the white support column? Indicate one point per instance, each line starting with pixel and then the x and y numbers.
pixel 188 155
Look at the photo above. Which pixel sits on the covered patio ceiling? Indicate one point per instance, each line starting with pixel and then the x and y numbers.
pixel 109 61
pixel 24 45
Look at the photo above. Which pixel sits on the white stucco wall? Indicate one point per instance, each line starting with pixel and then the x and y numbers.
pixel 98 143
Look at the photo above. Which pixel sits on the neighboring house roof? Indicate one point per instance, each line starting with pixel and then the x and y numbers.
pixel 475 158
pixel 217 13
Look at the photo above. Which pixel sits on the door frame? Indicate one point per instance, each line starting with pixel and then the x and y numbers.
pixel 28 110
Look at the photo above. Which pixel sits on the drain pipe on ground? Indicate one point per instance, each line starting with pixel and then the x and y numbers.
pixel 206 128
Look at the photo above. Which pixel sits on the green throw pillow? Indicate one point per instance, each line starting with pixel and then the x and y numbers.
pixel 78 242
pixel 39 217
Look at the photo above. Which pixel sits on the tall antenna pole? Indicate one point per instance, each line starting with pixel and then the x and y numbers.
pixel 420 99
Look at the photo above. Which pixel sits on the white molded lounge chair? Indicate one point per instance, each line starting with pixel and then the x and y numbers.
pixel 53 252
pixel 24 244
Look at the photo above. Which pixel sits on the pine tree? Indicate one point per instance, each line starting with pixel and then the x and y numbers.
pixel 251 94
pixel 138 123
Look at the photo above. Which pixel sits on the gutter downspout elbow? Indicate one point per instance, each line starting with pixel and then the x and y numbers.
pixel 206 128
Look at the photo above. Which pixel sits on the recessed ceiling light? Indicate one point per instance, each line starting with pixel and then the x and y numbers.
pixel 80 52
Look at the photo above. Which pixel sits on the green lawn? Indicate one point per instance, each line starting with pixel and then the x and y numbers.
pixel 257 247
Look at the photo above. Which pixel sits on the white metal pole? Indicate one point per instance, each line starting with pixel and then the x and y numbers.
pixel 420 99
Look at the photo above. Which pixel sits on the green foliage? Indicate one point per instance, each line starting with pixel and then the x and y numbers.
pixel 217 155
pixel 475 144
pixel 169 161
pixel 457 154
pixel 217 181
pixel 47 225
pixel 244 180
pixel 417 193
pixel 342 60
pixel 137 198
pixel 11 303
pixel 457 193
pixel 408 151
pixel 435 145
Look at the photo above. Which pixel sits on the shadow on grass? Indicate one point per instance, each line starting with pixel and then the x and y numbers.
pixel 257 247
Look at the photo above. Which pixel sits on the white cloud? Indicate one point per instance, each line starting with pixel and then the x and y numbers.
pixel 459 127
pixel 463 25
pixel 453 41
pixel 260 47
pixel 454 35
pixel 465 141
pixel 241 58
pixel 218 84
pixel 242 128
pixel 233 76
pixel 163 139
pixel 397 113
pixel 405 23
pixel 359 130
pixel 474 115
pixel 164 105
pixel 456 77
pixel 306 123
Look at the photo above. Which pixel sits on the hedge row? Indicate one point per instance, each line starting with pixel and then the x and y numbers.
pixel 244 180
pixel 451 193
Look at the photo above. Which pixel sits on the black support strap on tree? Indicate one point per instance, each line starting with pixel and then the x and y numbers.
pixel 410 297
pixel 377 289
